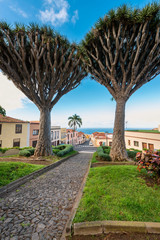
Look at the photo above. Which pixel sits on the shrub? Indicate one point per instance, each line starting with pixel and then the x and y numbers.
pixel 24 153
pixel 103 156
pixel 68 148
pixel 3 150
pixel 106 147
pixel 31 150
pixel 107 151
pixel 131 154
pixel 150 162
pixel 55 150
pixel 25 148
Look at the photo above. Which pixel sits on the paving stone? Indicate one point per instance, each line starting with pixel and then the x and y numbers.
pixel 8 220
pixel 35 236
pixel 40 209
pixel 40 227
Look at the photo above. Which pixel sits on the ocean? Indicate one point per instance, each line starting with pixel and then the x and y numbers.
pixel 108 130
pixel 92 130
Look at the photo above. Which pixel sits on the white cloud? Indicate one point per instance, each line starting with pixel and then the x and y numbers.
pixel 75 17
pixel 19 11
pixel 11 98
pixel 56 12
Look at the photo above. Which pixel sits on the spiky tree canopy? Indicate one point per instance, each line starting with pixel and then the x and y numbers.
pixel 44 66
pixel 75 121
pixel 122 51
pixel 40 62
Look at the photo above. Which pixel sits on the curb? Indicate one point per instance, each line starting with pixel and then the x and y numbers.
pixel 11 186
pixel 101 164
pixel 68 228
pixel 104 227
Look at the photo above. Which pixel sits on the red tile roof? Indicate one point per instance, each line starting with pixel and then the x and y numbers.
pixel 70 130
pixel 34 122
pixel 95 133
pixel 80 134
pixel 6 119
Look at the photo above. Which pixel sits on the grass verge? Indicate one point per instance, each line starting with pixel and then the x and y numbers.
pixel 55 158
pixel 10 171
pixel 17 155
pixel 118 193
pixel 94 160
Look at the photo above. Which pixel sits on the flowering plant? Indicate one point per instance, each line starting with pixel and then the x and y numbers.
pixel 150 161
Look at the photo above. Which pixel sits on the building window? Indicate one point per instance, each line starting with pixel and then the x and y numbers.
pixel 136 144
pixel 35 132
pixel 18 128
pixel 16 142
pixel 0 128
pixel 0 143
pixel 129 142
pixel 110 144
pixel 54 135
pixel 57 134
pixel 150 146
pixel 144 145
pixel 51 135
pixel 34 143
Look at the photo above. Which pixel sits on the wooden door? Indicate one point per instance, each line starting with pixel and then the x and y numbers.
pixel 144 145
pixel 150 146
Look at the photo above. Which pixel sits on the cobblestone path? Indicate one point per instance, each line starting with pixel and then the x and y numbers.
pixel 40 209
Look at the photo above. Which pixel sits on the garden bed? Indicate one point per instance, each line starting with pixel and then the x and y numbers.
pixel 11 171
pixel 118 236
pixel 17 179
pixel 118 194
pixel 100 163
pixel 32 160
pixel 12 168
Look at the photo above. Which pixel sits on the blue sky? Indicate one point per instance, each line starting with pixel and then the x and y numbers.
pixel 74 18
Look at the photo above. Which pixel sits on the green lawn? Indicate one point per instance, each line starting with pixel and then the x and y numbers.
pixel 118 193
pixel 10 171
pixel 17 155
pixel 147 131
pixel 94 160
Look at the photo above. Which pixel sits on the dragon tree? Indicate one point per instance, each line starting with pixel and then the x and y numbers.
pixel 44 66
pixel 122 52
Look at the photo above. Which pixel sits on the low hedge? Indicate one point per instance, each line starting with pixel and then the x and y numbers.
pixel 63 149
pixel 55 150
pixel 3 150
pixel 27 152
pixel 132 154
pixel 102 155
pixel 24 153
pixel 106 149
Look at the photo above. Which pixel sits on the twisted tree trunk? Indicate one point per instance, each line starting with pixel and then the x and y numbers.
pixel 118 150
pixel 44 147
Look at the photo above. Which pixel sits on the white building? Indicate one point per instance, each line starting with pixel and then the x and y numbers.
pixel 56 135
pixel 140 140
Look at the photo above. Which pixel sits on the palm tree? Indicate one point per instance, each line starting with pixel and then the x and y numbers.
pixel 73 122
pixel 2 111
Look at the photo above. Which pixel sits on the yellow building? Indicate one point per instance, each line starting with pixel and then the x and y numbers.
pixel 13 132
pixel 63 135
